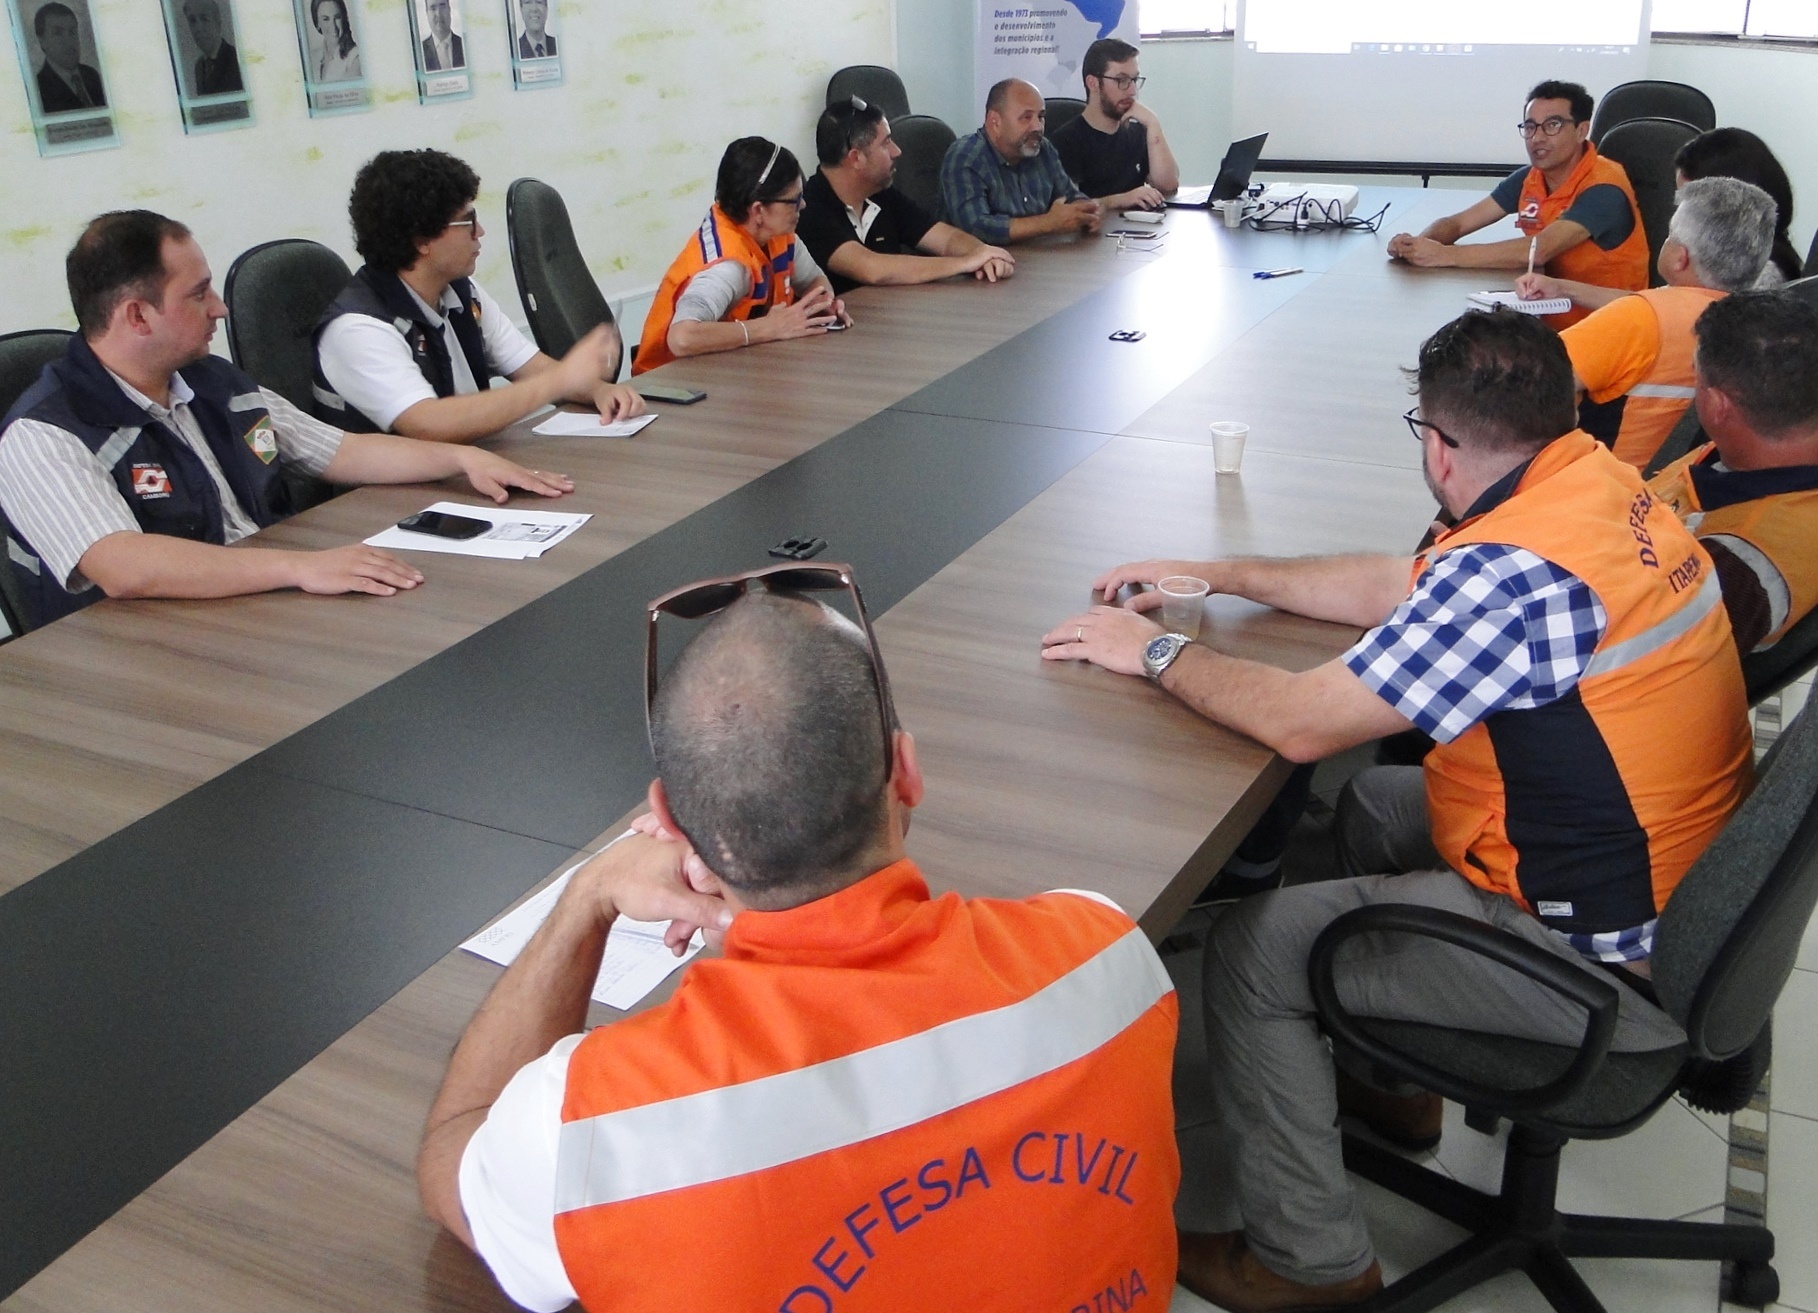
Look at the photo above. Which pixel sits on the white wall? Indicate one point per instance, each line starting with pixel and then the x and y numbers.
pixel 653 94
pixel 1771 92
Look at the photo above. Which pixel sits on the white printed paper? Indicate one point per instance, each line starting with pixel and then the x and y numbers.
pixel 636 960
pixel 586 424
pixel 1548 305
pixel 516 534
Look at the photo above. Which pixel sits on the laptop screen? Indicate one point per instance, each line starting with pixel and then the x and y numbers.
pixel 1239 163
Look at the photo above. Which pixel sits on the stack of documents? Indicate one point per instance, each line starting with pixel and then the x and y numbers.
pixel 636 961
pixel 586 424
pixel 1552 305
pixel 516 534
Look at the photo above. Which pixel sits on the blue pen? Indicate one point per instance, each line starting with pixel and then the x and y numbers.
pixel 1276 273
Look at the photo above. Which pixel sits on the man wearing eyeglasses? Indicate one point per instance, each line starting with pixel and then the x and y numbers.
pixel 871 1094
pixel 1565 644
pixel 412 343
pixel 1575 209
pixel 1115 149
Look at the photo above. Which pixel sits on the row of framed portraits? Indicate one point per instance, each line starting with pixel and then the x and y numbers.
pixel 60 60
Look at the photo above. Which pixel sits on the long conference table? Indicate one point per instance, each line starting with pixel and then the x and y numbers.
pixel 240 841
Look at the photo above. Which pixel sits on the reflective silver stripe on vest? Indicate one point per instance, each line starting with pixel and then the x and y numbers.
pixel 718 1134
pixel 20 557
pixel 1614 657
pixel 246 401
pixel 403 326
pixel 1666 390
pixel 116 446
pixel 327 398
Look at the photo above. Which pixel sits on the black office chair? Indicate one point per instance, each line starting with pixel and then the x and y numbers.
pixel 1806 289
pixel 875 85
pixel 1645 148
pixel 1687 434
pixel 275 294
pixel 1795 655
pixel 23 356
pixel 1062 110
pixel 924 140
pixel 1652 100
pixel 561 300
pixel 17 613
pixel 1811 258
pixel 1723 949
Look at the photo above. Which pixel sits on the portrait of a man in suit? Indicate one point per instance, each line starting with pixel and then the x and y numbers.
pixel 442 48
pixel 65 83
pixel 535 41
pixel 217 62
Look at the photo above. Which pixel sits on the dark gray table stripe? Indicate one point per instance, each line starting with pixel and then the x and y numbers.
pixel 157 985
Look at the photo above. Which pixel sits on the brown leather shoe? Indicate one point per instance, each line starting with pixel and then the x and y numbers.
pixel 1221 1268
pixel 1410 1122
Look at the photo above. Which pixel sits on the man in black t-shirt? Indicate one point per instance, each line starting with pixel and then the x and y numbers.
pixel 1115 151
pixel 860 229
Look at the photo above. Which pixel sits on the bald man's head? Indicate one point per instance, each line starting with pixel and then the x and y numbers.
pixel 770 750
pixel 1016 118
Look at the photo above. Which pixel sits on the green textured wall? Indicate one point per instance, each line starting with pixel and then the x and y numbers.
pixel 653 92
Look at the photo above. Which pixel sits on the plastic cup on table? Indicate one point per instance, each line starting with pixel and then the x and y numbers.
pixel 1183 603
pixel 1228 445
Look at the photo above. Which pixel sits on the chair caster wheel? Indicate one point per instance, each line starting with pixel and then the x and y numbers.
pixel 1755 1285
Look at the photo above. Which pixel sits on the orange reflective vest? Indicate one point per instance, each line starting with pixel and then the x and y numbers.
pixel 1587 810
pixel 1626 266
pixel 1610 348
pixel 879 1101
pixel 1775 512
pixel 717 240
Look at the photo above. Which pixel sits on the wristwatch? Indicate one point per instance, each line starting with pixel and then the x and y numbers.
pixel 1160 653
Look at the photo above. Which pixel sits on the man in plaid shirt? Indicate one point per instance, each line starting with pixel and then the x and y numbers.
pixel 1005 183
pixel 1566 646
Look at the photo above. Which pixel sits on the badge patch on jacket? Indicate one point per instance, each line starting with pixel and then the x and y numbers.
pixel 263 440
pixel 150 482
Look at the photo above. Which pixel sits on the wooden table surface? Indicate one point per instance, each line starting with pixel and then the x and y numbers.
pixel 1039 775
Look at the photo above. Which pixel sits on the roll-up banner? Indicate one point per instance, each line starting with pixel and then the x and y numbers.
pixel 1043 42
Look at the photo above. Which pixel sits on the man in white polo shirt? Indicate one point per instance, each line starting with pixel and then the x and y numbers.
pixel 412 342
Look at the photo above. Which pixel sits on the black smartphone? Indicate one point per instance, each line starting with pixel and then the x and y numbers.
pixel 444 525
pixel 681 396
pixel 838 326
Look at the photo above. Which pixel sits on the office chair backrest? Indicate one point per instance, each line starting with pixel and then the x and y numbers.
pixel 1730 934
pixel 275 293
pixel 923 139
pixel 1805 288
pixel 1766 673
pixel 1652 100
pixel 875 85
pixel 17 612
pixel 561 300
pixel 1645 148
pixel 1811 258
pixel 23 356
pixel 1062 110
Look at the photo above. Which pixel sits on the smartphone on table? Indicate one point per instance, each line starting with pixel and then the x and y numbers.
pixel 444 525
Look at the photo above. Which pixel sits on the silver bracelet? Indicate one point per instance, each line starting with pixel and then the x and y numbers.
pixel 745 331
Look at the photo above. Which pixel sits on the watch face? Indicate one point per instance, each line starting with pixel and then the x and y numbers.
pixel 1159 647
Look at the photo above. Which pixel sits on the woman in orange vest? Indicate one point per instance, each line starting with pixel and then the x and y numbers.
pixel 1575 209
pixel 743 277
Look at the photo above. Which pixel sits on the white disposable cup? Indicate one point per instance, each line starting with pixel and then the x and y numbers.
pixel 1233 210
pixel 1183 603
pixel 1228 445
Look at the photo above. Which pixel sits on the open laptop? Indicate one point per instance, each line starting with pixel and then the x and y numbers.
pixel 1233 176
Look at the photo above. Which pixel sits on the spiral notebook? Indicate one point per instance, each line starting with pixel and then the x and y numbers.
pixel 1552 305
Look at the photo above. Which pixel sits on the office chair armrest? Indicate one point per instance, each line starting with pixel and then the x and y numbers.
pixel 1597 997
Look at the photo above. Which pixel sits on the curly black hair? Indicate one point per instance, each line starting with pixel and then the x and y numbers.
pixel 402 197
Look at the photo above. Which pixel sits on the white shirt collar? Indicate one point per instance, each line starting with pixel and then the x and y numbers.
pixel 451 300
pixel 181 394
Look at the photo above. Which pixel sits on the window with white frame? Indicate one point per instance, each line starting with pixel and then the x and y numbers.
pixel 1760 18
pixel 1159 17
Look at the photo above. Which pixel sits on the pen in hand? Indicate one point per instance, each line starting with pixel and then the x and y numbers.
pixel 1533 246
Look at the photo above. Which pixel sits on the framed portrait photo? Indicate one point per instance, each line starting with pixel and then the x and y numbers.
pixel 536 52
pixel 438 30
pixel 334 67
pixel 211 86
pixel 60 59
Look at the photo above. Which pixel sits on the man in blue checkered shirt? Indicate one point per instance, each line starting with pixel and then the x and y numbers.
pixel 1566 646
pixel 1005 183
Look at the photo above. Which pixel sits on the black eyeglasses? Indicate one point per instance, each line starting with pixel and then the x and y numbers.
pixel 1126 82
pixel 1552 127
pixel 1416 424
pixel 697 601
pixel 799 200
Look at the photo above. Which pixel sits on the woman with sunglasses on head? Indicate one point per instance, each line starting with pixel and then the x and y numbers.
pixel 743 277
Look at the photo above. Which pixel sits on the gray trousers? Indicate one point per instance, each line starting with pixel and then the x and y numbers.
pixel 1274 1103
